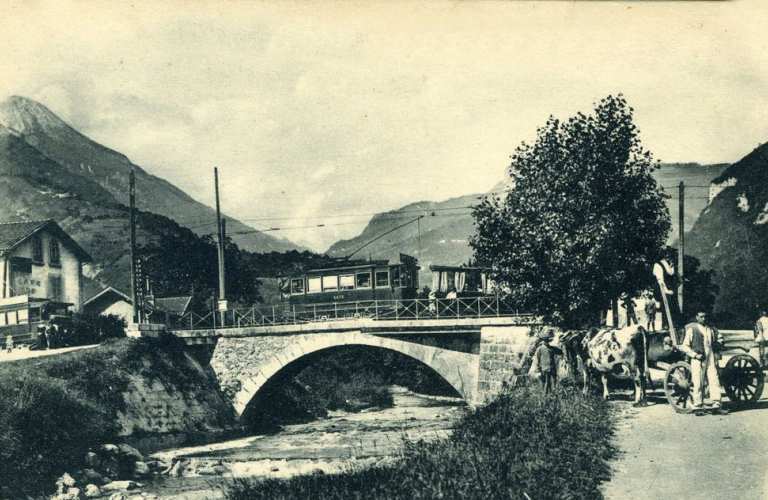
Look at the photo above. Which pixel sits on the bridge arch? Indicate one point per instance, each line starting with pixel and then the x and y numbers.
pixel 459 369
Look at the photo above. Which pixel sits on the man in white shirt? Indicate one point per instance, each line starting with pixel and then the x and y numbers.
pixel 701 343
pixel 761 328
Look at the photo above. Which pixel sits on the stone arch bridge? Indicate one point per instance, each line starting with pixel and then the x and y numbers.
pixel 245 359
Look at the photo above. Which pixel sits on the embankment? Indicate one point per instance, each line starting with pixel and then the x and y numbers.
pixel 140 391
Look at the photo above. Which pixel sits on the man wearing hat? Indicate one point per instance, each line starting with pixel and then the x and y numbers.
pixel 545 360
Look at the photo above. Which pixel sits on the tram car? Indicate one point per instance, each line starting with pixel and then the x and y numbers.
pixel 355 282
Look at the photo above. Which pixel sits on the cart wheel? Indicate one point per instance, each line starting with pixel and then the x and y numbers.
pixel 743 380
pixel 678 387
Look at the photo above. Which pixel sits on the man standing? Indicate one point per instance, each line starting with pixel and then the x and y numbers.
pixel 545 361
pixel 761 328
pixel 701 343
pixel 650 313
pixel 629 305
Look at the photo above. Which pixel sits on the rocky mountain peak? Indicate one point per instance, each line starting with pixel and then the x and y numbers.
pixel 30 117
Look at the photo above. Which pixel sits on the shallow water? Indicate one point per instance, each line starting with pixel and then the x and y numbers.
pixel 341 442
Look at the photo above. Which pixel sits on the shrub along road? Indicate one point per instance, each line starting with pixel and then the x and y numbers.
pixel 666 455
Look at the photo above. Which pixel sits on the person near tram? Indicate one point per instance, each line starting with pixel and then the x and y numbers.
pixel 702 344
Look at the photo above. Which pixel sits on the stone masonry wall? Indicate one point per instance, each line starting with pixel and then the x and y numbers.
pixel 155 404
pixel 502 349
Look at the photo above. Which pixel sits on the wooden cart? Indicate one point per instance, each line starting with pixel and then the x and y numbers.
pixel 742 377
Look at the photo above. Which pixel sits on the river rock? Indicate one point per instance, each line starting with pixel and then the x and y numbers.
pixel 130 451
pixel 121 485
pixel 92 491
pixel 117 496
pixel 64 482
pixel 177 469
pixel 92 460
pixel 140 469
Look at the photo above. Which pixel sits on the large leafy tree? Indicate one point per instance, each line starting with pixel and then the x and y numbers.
pixel 583 222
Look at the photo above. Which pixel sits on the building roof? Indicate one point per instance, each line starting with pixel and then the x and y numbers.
pixel 108 291
pixel 12 234
pixel 173 305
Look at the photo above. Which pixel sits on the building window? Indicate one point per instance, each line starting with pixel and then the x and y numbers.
pixel 330 283
pixel 297 286
pixel 53 252
pixel 395 277
pixel 54 288
pixel 347 282
pixel 37 250
pixel 382 278
pixel 313 285
pixel 364 280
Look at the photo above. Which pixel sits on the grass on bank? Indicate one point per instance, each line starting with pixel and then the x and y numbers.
pixel 54 408
pixel 524 445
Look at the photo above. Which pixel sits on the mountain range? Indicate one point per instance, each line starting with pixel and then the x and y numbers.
pixel 49 170
pixel 442 235
pixel 90 164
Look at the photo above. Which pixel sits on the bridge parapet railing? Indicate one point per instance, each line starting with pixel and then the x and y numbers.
pixel 380 310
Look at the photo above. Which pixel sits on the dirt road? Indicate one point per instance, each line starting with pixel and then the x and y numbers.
pixel 663 455
pixel 18 353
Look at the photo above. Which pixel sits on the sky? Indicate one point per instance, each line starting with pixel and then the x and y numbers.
pixel 316 110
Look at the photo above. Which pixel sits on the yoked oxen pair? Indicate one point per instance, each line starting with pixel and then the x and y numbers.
pixel 610 351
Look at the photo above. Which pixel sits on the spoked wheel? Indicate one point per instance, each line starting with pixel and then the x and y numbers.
pixel 678 387
pixel 743 380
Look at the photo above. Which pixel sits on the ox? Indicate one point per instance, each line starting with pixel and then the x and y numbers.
pixel 610 351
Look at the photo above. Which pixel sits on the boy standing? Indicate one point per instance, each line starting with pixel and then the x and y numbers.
pixel 9 343
pixel 545 361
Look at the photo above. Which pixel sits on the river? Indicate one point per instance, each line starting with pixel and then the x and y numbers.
pixel 340 442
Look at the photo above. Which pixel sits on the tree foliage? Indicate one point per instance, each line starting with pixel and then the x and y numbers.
pixel 185 264
pixel 583 222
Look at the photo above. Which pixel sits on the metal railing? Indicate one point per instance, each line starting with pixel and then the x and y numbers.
pixel 380 310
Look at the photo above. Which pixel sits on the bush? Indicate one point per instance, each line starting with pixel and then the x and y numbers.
pixel 523 445
pixel 85 329
pixel 44 425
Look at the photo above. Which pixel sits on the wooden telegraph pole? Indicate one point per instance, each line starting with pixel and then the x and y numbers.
pixel 222 305
pixel 132 197
pixel 681 246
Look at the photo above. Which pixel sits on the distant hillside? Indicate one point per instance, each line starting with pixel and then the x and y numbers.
pixel 445 235
pixel 731 237
pixel 82 160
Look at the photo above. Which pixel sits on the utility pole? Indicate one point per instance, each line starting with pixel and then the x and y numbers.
pixel 681 244
pixel 132 197
pixel 220 229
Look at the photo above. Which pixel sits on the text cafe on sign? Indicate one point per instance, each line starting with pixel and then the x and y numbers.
pixel 27 286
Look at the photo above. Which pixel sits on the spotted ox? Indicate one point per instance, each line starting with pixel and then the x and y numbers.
pixel 610 351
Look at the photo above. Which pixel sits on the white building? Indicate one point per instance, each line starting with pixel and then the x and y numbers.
pixel 40 274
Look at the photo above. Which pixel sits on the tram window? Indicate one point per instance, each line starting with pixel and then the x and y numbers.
pixel 313 285
pixel 3 321
pixel 382 278
pixel 330 283
pixel 12 318
pixel 23 315
pixel 297 286
pixel 364 280
pixel 347 282
pixel 395 276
